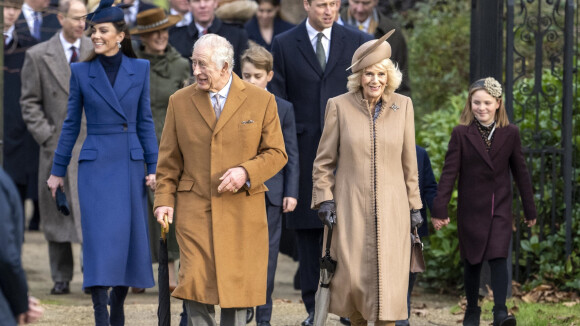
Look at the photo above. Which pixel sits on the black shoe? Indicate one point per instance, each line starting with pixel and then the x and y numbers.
pixel 309 321
pixel 264 323
pixel 60 288
pixel 471 317
pixel 502 318
pixel 249 315
pixel 345 321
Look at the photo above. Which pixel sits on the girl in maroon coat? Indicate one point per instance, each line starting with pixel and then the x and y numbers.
pixel 483 150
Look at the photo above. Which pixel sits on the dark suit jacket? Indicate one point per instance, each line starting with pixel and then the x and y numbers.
pixel 183 38
pixel 13 288
pixel 50 25
pixel 285 182
pixel 427 187
pixel 484 203
pixel 20 149
pixel 299 79
pixel 253 30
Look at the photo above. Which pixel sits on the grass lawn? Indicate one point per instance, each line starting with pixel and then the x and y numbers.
pixel 538 314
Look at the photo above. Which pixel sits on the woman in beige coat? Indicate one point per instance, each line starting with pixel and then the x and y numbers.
pixel 366 163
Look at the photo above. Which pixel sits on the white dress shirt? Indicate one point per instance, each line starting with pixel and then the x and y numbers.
pixel 66 47
pixel 131 13
pixel 223 94
pixel 185 20
pixel 313 36
pixel 28 13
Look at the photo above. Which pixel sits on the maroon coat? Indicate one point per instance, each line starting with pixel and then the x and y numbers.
pixel 484 204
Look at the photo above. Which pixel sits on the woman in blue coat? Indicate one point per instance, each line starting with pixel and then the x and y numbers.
pixel 116 163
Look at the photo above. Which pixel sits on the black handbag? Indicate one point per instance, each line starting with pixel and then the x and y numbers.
pixel 417 261
pixel 61 202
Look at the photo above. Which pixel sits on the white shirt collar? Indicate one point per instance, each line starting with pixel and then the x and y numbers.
pixel 185 20
pixel 200 28
pixel 312 33
pixel 66 46
pixel 9 35
pixel 222 92
pixel 131 13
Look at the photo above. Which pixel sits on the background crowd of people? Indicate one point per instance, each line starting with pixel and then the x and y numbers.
pixel 138 112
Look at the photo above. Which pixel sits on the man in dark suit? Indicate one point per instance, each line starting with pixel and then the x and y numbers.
pixel 15 305
pixel 20 151
pixel 205 22
pixel 283 187
pixel 37 22
pixel 310 63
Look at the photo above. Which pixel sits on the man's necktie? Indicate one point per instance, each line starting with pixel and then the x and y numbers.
pixel 217 108
pixel 74 57
pixel 320 54
pixel 36 25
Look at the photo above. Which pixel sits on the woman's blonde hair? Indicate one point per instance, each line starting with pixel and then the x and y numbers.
pixel 394 77
pixel 467 116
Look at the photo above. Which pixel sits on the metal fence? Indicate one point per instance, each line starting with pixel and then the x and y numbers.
pixel 541 82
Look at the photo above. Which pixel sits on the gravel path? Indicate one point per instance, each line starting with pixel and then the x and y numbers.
pixel 140 309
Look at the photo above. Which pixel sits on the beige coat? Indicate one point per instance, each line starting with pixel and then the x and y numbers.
pixel 223 238
pixel 44 102
pixel 375 186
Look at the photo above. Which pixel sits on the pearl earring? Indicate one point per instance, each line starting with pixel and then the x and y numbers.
pixel 119 44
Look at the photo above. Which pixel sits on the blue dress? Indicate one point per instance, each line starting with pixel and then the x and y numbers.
pixel 119 147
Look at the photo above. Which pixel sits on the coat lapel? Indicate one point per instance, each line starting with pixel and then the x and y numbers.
pixel 475 138
pixel 55 60
pixel 336 45
pixel 305 47
pixel 100 83
pixel 124 79
pixel 202 102
pixel 236 97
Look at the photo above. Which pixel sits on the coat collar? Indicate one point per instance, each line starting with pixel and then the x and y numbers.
pixel 475 138
pixel 55 59
pixel 236 98
pixel 102 86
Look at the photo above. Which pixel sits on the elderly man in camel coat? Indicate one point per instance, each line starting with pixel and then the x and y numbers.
pixel 221 140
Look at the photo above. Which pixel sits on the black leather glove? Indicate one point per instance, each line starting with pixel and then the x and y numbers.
pixel 416 218
pixel 326 212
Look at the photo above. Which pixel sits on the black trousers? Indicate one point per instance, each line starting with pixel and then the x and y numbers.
pixel 264 312
pixel 309 243
pixel 499 280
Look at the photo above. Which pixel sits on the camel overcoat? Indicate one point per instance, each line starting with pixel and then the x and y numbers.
pixel 223 238
pixel 375 187
pixel 44 103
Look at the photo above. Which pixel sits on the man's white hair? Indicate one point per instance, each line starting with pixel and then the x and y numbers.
pixel 222 50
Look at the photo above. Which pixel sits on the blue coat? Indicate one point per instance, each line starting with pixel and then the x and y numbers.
pixel 285 182
pixel 427 187
pixel 299 79
pixel 254 34
pixel 13 288
pixel 120 143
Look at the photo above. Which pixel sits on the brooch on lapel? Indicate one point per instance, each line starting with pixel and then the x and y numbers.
pixel 394 107
pixel 247 122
